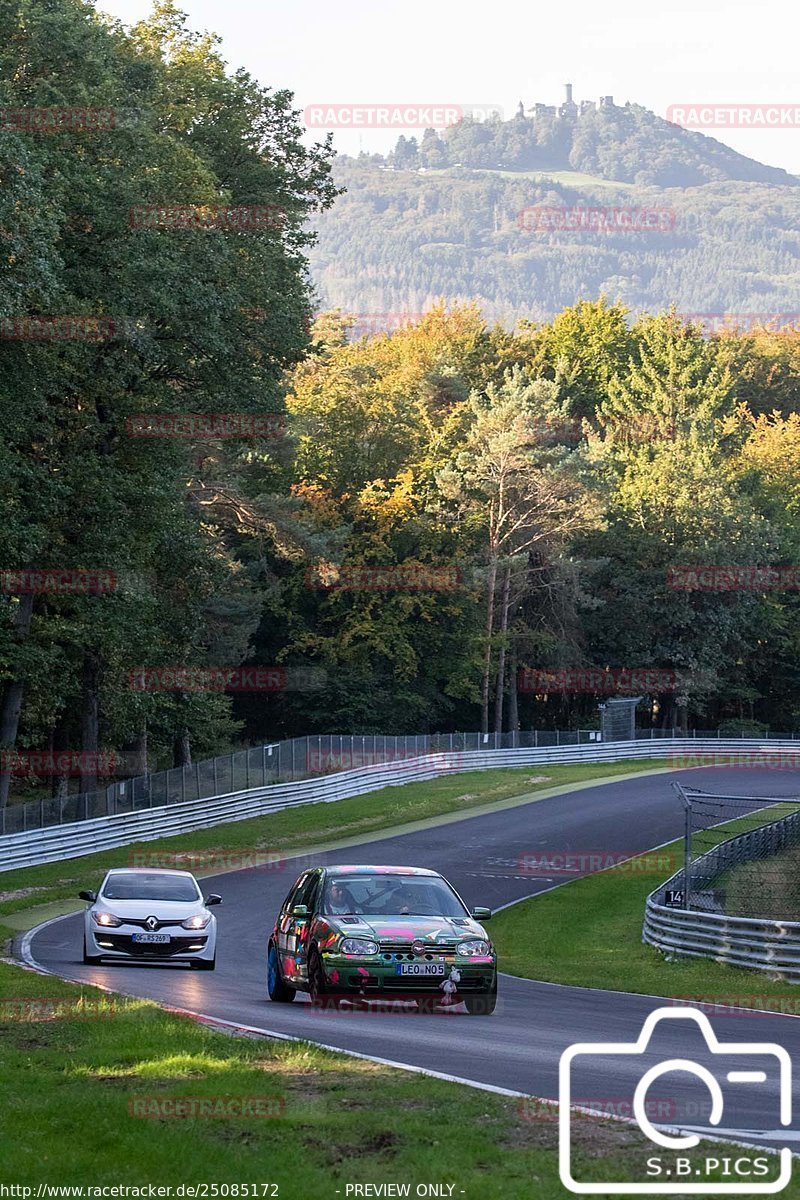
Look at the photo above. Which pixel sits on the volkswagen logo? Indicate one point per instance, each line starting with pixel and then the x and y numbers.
pixel 418 947
pixel 151 923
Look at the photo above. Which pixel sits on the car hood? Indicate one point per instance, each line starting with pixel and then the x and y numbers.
pixel 408 929
pixel 175 910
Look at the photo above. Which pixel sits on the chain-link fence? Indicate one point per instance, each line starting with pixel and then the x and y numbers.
pixel 741 855
pixel 278 762
pixel 290 760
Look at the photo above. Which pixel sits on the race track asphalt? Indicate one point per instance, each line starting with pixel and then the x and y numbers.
pixel 518 1048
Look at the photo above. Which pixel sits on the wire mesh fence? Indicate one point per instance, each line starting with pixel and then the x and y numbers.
pixel 260 766
pixel 290 760
pixel 741 855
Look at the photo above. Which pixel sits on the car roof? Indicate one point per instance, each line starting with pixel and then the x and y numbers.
pixel 148 871
pixel 360 869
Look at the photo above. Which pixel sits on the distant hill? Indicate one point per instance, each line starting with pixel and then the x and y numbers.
pixel 627 144
pixel 492 212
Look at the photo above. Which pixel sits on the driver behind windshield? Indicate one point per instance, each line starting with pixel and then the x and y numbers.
pixel 338 899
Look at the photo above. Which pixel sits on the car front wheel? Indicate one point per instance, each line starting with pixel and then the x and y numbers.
pixel 90 960
pixel 482 1005
pixel 277 990
pixel 317 985
pixel 204 964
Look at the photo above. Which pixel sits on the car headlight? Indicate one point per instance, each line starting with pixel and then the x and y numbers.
pixel 106 918
pixel 199 921
pixel 474 948
pixel 358 946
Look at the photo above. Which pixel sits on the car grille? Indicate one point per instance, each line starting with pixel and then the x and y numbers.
pixel 141 923
pixel 402 951
pixel 121 941
pixel 414 983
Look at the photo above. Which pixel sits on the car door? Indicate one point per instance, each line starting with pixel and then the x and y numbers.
pixel 287 933
pixel 307 894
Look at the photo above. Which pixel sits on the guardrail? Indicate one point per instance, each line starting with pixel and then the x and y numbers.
pixel 59 842
pixel 756 942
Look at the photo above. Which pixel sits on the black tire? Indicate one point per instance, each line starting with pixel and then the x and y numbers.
pixel 90 960
pixel 483 1004
pixel 321 996
pixel 277 990
pixel 203 964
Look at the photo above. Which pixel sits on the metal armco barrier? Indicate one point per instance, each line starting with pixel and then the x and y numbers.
pixel 756 942
pixel 58 842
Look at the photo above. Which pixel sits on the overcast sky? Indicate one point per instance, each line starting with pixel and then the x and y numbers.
pixel 503 51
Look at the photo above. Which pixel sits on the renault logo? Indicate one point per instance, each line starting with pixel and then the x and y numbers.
pixel 151 923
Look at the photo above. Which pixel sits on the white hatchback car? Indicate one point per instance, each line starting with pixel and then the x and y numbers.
pixel 150 916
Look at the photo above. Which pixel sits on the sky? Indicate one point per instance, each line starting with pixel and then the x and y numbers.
pixel 418 52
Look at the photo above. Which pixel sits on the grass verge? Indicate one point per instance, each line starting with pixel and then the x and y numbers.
pixel 88 1086
pixel 299 829
pixel 589 933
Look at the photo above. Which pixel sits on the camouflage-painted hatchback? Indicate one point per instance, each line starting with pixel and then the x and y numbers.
pixel 397 933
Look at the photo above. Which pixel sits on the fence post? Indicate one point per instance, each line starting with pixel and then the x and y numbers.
pixel 197 776
pixel 687 853
pixel 216 781
pixel 247 767
pixel 292 745
pixel 183 781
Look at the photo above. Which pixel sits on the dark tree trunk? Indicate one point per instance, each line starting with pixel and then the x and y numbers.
pixel 59 740
pixel 13 693
pixel 489 630
pixel 90 719
pixel 513 699
pixel 501 661
pixel 182 749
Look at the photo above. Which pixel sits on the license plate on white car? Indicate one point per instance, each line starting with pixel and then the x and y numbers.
pixel 420 968
pixel 151 939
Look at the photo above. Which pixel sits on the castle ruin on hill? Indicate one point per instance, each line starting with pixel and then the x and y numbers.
pixel 569 109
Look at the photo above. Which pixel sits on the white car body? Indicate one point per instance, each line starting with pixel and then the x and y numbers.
pixel 140 915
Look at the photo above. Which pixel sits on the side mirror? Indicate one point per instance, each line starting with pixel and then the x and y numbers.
pixel 90 896
pixel 212 899
pixel 300 910
pixel 481 914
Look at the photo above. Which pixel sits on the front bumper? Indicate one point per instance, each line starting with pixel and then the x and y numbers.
pixel 116 943
pixel 352 976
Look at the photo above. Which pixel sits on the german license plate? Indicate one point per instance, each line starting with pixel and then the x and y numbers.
pixel 151 939
pixel 420 968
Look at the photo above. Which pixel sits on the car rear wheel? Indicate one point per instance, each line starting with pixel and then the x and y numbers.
pixel 482 1005
pixel 277 990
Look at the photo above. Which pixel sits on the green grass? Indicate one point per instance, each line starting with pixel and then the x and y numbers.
pixel 74 1079
pixel 299 829
pixel 588 933
pixel 577 179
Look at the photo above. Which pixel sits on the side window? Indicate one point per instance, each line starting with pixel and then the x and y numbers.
pixel 294 892
pixel 307 892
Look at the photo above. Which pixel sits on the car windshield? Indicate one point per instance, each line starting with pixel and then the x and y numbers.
pixel 391 895
pixel 132 886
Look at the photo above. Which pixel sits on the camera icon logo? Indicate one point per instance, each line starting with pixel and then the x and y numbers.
pixel 681 1175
